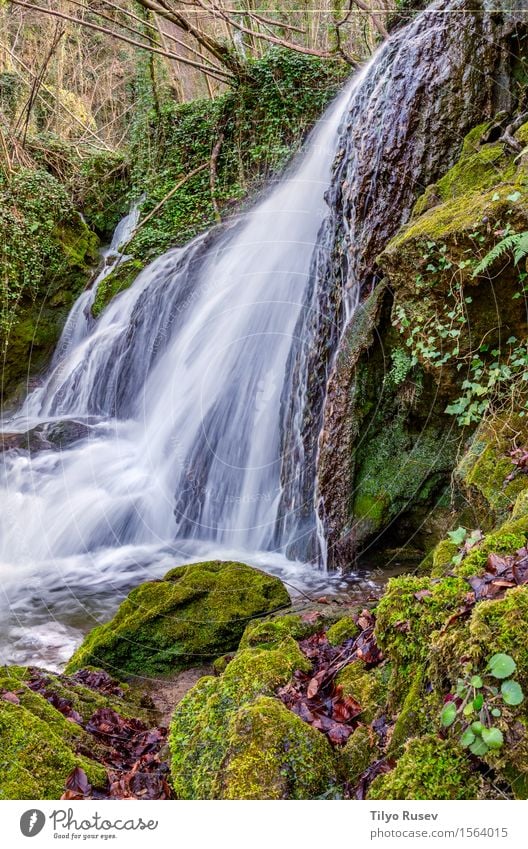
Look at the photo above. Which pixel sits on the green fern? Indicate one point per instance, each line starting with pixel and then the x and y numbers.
pixel 518 242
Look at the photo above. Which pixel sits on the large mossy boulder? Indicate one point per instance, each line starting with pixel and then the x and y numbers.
pixel 194 613
pixel 231 738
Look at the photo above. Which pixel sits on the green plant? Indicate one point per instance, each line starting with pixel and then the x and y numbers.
pixel 439 334
pixel 518 242
pixel 478 701
pixel 464 540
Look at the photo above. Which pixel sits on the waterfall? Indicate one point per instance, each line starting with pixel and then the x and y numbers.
pixel 182 423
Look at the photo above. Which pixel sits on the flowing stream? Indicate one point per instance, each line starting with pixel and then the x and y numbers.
pixel 172 428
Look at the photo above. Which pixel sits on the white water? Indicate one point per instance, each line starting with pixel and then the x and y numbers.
pixel 177 387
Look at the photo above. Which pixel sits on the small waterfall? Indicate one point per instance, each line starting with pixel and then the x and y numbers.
pixel 193 403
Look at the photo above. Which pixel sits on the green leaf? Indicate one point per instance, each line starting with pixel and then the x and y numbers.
pixel 478 701
pixel 501 665
pixel 467 738
pixel 512 692
pixel 478 748
pixel 477 682
pixel 492 737
pixel 514 197
pixel 496 712
pixel 468 710
pixel 448 715
pixel 477 727
pixel 458 536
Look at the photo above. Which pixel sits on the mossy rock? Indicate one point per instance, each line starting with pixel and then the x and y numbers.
pixel 38 745
pixel 484 468
pixel 117 281
pixel 430 768
pixel 360 750
pixel 203 729
pixel 194 613
pixel 267 632
pixel 367 687
pixel 506 540
pixel 343 629
pixel 273 754
pixel 415 714
pixel 411 610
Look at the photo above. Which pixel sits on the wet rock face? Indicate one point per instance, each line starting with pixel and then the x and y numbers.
pixel 433 82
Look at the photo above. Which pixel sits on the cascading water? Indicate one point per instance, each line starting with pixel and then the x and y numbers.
pixel 175 395
pixel 175 426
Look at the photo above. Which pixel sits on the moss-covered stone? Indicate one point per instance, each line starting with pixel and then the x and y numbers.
pixel 114 283
pixel 367 687
pixel 195 612
pixel 358 753
pixel 47 253
pixel 35 759
pixel 203 726
pixel 343 629
pixel 411 610
pixel 485 467
pixel 506 540
pixel 415 716
pixel 430 768
pixel 38 743
pixel 273 754
pixel 267 632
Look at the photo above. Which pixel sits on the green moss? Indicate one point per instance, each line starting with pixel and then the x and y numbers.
pixel 202 726
pixel 520 508
pixel 117 281
pixel 267 632
pixel 343 629
pixel 35 757
pixel 196 612
pixel 485 467
pixel 442 557
pixel 273 754
pixel 510 537
pixel 368 688
pixel 500 626
pixel 46 253
pixel 414 717
pixel 430 768
pixel 405 623
pixel 359 752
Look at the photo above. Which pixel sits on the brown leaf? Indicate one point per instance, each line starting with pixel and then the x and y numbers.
pixel 11 697
pixel 77 782
pixel 421 594
pixel 339 734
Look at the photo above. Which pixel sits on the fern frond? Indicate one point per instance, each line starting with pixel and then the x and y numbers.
pixel 521 249
pixel 516 241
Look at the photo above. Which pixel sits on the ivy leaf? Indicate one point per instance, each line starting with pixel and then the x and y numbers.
pixel 458 536
pixel 448 715
pixel 477 682
pixel 492 737
pixel 512 692
pixel 477 727
pixel 502 665
pixel 467 738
